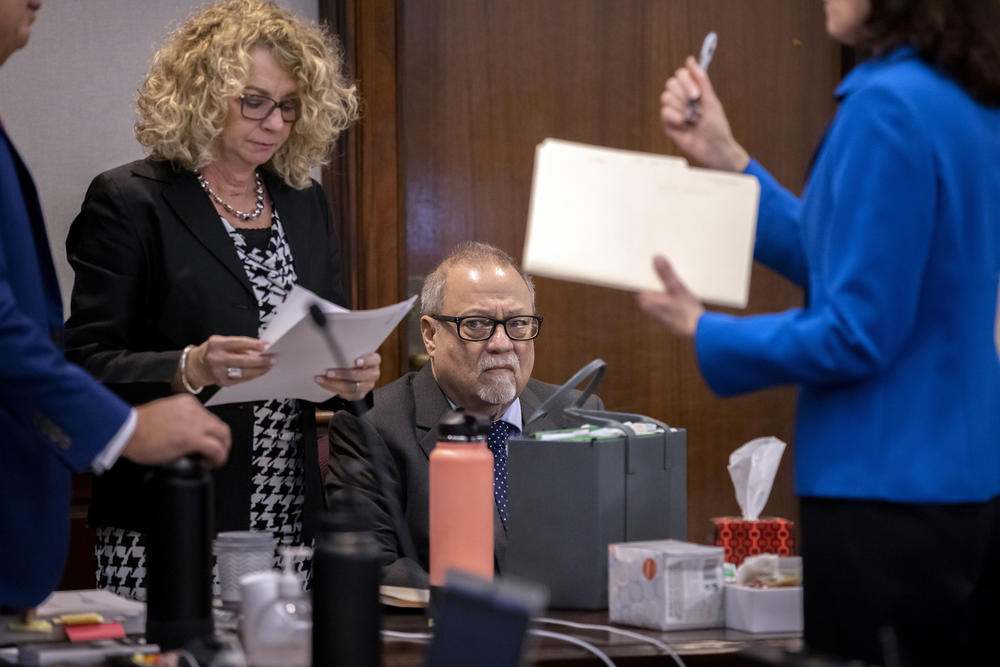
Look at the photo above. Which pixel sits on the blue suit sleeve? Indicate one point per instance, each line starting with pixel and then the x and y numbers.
pixel 779 237
pixel 867 242
pixel 46 396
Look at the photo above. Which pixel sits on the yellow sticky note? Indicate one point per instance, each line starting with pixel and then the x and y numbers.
pixel 37 625
pixel 80 619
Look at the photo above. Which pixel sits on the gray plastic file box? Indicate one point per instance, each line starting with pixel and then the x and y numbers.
pixel 569 499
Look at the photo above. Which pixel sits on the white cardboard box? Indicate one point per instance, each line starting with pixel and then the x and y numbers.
pixel 764 609
pixel 665 584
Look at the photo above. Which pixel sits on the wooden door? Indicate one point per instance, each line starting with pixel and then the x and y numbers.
pixel 461 92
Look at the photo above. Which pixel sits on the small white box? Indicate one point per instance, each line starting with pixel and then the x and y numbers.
pixel 764 609
pixel 665 584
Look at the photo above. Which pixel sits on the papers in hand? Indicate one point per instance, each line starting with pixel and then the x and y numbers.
pixel 301 353
pixel 600 215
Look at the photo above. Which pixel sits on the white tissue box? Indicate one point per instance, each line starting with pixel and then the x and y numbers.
pixel 665 584
pixel 764 609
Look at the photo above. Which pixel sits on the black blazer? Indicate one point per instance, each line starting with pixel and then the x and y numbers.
pixel 156 271
pixel 403 428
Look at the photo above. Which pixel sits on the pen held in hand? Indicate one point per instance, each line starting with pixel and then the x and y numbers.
pixel 692 112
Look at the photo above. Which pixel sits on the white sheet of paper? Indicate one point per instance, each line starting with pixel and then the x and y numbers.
pixel 301 352
pixel 86 601
pixel 599 216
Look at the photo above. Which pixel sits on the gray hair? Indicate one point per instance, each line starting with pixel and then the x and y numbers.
pixel 468 253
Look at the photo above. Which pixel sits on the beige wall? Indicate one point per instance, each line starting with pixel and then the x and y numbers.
pixel 67 99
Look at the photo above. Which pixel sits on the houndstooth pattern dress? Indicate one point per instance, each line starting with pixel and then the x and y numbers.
pixel 277 494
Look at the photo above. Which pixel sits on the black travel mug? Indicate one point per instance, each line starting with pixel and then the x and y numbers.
pixel 178 512
pixel 347 613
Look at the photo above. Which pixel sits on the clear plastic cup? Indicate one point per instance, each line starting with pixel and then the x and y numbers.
pixel 790 570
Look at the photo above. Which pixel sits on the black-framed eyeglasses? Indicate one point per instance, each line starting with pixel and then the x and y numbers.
pixel 259 107
pixel 480 327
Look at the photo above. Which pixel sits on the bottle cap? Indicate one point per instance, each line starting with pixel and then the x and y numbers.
pixel 191 465
pixel 288 583
pixel 461 424
pixel 245 540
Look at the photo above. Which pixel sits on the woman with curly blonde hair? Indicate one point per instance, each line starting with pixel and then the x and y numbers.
pixel 181 259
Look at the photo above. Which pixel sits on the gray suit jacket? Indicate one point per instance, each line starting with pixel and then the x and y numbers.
pixel 401 431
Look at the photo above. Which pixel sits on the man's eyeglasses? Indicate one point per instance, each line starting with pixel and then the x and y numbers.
pixel 479 327
pixel 259 107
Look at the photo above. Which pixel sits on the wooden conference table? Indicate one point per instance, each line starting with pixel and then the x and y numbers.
pixel 718 646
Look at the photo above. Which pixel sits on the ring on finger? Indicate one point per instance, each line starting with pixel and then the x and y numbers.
pixel 234 373
pixel 357 386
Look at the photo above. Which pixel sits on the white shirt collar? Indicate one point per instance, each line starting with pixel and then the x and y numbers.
pixel 512 416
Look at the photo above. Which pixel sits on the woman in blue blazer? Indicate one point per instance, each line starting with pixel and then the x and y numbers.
pixel 896 243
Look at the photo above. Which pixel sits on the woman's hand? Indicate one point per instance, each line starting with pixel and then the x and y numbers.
pixel 227 360
pixel 706 137
pixel 353 384
pixel 675 306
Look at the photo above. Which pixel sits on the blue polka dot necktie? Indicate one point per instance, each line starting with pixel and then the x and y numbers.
pixel 496 441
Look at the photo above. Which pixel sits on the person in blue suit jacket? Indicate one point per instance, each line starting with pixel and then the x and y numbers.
pixel 55 419
pixel 896 242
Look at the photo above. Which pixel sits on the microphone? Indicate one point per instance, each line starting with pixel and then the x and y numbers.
pixel 378 462
pixel 319 319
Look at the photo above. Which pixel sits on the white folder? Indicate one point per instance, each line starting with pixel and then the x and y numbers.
pixel 599 216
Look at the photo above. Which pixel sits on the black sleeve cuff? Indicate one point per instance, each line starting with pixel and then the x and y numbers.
pixel 356 408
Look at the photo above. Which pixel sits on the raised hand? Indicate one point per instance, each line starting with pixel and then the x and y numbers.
pixel 706 137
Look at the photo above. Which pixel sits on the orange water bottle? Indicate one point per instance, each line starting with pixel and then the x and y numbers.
pixel 461 498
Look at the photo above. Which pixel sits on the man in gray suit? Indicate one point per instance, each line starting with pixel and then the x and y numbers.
pixel 478 323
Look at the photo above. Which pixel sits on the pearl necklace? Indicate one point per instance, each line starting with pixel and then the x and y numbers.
pixel 236 212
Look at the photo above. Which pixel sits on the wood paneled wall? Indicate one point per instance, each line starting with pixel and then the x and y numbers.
pixel 362 180
pixel 459 92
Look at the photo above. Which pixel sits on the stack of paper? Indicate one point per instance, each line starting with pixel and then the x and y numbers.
pixel 401 596
pixel 600 215
pixel 300 351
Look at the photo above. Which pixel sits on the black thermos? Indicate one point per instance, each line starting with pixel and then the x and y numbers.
pixel 347 613
pixel 178 510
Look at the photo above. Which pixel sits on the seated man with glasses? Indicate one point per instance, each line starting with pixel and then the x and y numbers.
pixel 478 323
